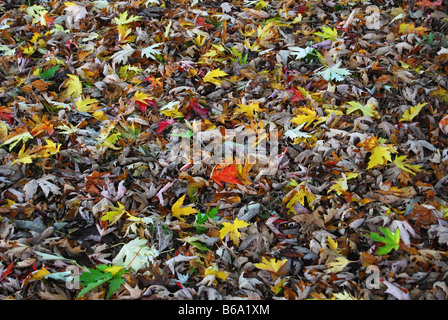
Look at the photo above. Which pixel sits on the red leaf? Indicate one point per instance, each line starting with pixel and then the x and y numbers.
pixel 197 108
pixel 228 174
pixel 163 124
pixel 7 271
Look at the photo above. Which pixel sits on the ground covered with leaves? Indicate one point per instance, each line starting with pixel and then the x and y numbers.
pixel 94 204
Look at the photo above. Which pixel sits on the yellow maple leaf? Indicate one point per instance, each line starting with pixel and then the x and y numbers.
pixel 50 149
pixel 412 112
pixel 213 74
pixel 338 265
pixel 272 265
pixel 73 85
pixel 87 105
pixel 249 110
pixel 308 117
pixel 302 195
pixel 178 212
pixel 24 156
pixel 380 156
pixel 114 215
pixel 411 168
pixel 141 96
pixel 232 228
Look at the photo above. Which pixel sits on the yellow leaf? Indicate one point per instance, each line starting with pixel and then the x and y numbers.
pixel 338 265
pixel 39 274
pixel 411 168
pixel 113 269
pixel 302 195
pixel 412 112
pixel 141 96
pixel 406 28
pixel 24 156
pixel 50 149
pixel 232 228
pixel 271 265
pixel 178 212
pixel 308 117
pixel 3 131
pixel 333 245
pixel 341 184
pixel 248 110
pixel 114 215
pixel 380 156
pixel 87 105
pixel 213 270
pixel 212 75
pixel 73 85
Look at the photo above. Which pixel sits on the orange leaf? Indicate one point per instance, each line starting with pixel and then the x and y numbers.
pixel 228 174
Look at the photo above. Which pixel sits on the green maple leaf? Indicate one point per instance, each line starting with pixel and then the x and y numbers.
pixel 202 218
pixel 93 278
pixel 367 110
pixel 328 33
pixel 391 241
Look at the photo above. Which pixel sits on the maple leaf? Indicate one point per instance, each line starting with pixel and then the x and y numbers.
pixel 228 174
pixel 412 112
pixel 122 56
pixel 301 195
pixel 367 110
pixel 114 215
pixel 380 156
pixel 300 53
pixel 73 85
pixel 412 169
pixel 163 124
pixel 328 33
pixel 50 149
pixel 295 133
pixel 13 141
pixel 341 185
pixel 232 228
pixel 178 212
pixel 86 105
pixel 391 241
pixel 334 72
pixel 272 265
pixel 151 51
pixel 308 117
pixel 135 255
pixel 249 110
pixel 213 74
pixel 95 277
pixel 123 18
pixel 24 156
pixel 338 265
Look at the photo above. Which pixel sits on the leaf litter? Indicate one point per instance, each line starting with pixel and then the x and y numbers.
pixel 93 98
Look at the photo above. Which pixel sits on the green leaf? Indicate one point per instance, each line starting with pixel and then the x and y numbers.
pixel 330 34
pixel 49 73
pixel 24 137
pixel 391 241
pixel 367 110
pixel 202 218
pixel 91 279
